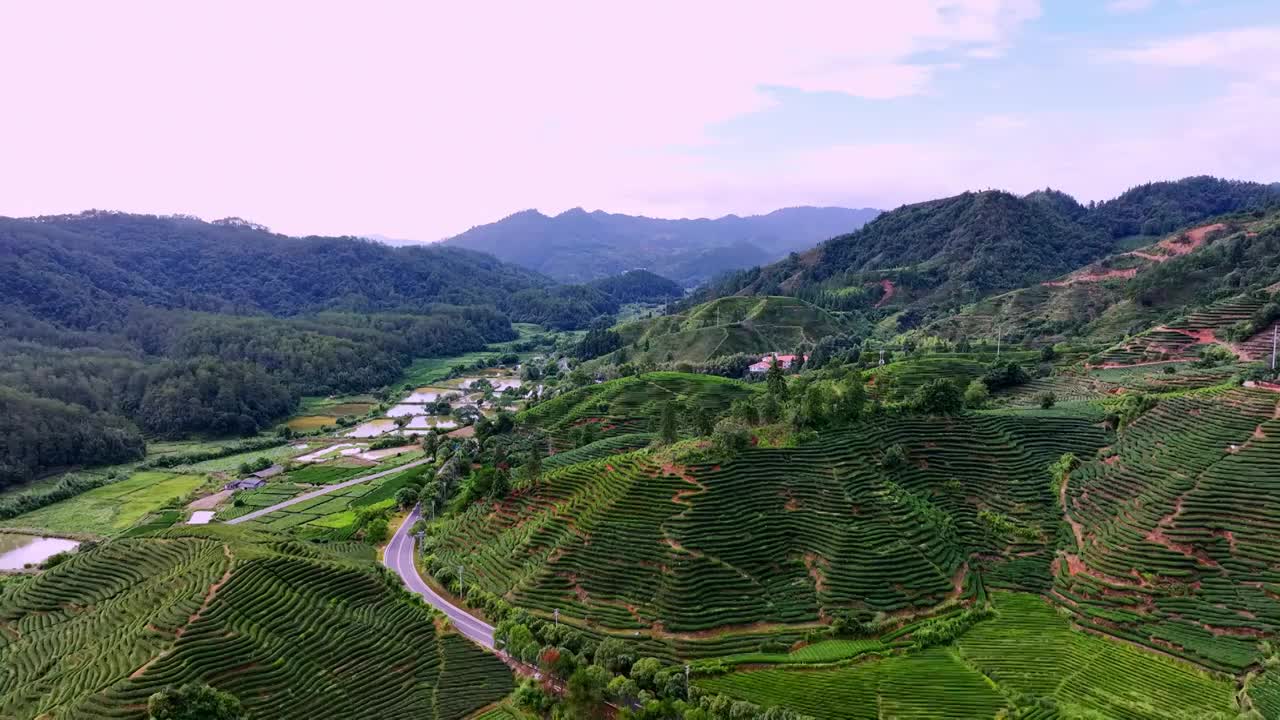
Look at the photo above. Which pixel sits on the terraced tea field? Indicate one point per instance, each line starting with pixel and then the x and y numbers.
pixel 295 631
pixel 1174 546
pixel 902 377
pixel 1027 661
pixel 633 404
pixel 779 535
pixel 112 508
pixel 1183 338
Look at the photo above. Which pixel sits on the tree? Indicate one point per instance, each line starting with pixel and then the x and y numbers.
pixel 533 464
pixel 770 410
pixel 501 484
pixel 585 690
pixel 668 428
pixel 776 381
pixel 1047 399
pixel 613 655
pixel 406 497
pixel 853 397
pixel 976 394
pixel 702 422
pixel 194 702
pixel 376 531
pixel 731 436
pixel 938 397
pixel 1005 374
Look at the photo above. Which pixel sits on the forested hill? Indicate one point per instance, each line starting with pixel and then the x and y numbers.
pixel 86 270
pixel 962 248
pixel 577 246
pixel 117 326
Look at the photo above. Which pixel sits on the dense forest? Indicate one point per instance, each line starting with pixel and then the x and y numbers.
pixel 123 326
pixel 638 286
pixel 959 249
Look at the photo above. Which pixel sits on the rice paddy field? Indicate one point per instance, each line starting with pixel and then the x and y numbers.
pixel 113 508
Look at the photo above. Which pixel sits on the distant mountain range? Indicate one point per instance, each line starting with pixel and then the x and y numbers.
pixel 580 246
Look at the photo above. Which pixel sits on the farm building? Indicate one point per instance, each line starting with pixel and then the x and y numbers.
pixel 759 368
pixel 248 483
pixel 269 472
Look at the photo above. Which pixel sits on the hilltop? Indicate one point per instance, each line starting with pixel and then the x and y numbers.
pixel 728 326
pixel 944 253
pixel 578 246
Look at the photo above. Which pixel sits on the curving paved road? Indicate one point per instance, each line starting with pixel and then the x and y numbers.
pixel 399 558
pixel 324 491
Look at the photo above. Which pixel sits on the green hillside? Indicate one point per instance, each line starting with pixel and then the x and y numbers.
pixel 941 254
pixel 727 326
pixel 1231 260
pixel 95 636
pixel 633 404
pixel 784 536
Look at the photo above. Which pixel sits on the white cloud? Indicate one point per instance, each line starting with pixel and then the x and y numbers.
pixel 417 120
pixel 1122 7
pixel 1001 123
pixel 1247 50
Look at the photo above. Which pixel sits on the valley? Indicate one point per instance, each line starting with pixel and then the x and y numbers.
pixel 863 482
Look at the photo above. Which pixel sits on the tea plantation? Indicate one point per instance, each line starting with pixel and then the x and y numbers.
pixel 779 536
pixel 294 630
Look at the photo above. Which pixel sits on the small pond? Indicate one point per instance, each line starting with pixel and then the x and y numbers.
pixel 17 551
pixel 201 517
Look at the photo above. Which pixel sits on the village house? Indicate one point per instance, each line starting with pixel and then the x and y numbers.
pixel 766 362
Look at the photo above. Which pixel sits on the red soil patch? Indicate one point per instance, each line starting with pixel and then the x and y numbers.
pixel 887 286
pixel 1179 245
pixel 1092 277
pixel 815 572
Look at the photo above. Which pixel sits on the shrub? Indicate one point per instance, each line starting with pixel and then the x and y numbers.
pixel 1047 399
pixel 976 394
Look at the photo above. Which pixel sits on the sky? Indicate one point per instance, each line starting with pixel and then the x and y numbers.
pixel 418 120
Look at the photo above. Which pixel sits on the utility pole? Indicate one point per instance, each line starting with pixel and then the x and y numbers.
pixel 686 681
pixel 462 589
pixel 1274 331
pixel 557 616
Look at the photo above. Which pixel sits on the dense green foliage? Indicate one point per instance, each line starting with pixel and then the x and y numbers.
pixel 1162 207
pixel 964 248
pixel 638 286
pixel 40 433
pixel 86 270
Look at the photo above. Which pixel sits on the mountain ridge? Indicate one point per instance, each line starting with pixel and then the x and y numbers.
pixel 579 245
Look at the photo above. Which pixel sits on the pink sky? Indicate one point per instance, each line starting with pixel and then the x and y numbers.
pixel 418 121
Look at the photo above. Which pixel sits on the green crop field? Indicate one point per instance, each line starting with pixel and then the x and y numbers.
pixel 94 637
pixel 779 535
pixel 902 377
pixel 633 404
pixel 1025 660
pixel 112 508
pixel 1177 546
pixel 331 516
pixel 726 326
